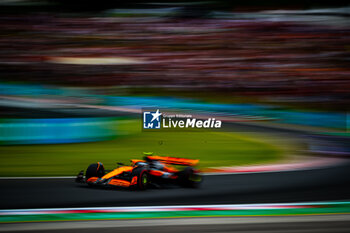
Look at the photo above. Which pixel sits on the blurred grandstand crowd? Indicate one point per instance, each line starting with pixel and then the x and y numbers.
pixel 247 56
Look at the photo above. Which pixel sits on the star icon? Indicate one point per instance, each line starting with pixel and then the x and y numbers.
pixel 156 115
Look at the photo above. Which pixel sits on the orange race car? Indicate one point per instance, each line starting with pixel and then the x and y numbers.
pixel 141 174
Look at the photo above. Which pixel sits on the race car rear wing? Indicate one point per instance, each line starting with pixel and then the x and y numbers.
pixel 174 161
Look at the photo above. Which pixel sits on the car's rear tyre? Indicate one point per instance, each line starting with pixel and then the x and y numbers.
pixel 142 178
pixel 95 170
pixel 190 178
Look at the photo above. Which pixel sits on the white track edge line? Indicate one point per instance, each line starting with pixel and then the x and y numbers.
pixel 184 206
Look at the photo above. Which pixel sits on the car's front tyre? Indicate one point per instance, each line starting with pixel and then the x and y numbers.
pixel 95 170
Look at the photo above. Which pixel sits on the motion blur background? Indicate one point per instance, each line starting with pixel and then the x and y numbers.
pixel 75 74
pixel 79 71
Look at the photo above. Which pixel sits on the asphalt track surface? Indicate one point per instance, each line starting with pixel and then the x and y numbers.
pixel 325 184
pixel 290 224
pixel 314 185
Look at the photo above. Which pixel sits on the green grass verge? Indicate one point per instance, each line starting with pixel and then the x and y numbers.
pixel 212 148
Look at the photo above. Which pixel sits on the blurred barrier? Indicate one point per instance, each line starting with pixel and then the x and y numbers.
pixel 335 120
pixel 169 102
pixel 63 130
pixel 28 89
pixel 337 145
pixel 318 119
pixel 38 90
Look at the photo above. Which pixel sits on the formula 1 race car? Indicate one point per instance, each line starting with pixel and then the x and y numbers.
pixel 142 174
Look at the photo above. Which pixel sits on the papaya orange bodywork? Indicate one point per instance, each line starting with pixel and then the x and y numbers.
pixel 119 182
pixel 92 179
pixel 156 173
pixel 170 169
pixel 117 171
pixel 175 161
pixel 134 180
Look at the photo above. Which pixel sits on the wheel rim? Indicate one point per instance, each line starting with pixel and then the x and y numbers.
pixel 144 179
pixel 195 178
